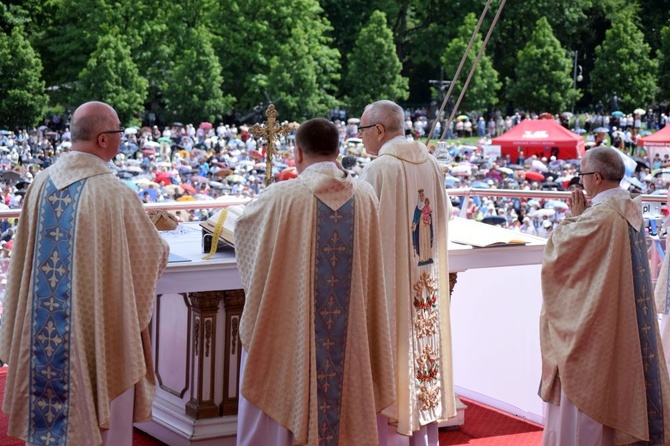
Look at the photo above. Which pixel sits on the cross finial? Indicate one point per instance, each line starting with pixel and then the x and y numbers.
pixel 269 130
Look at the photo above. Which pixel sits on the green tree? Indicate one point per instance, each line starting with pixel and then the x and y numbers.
pixel 193 93
pixel 664 66
pixel 66 46
pixel 278 51
pixel 484 85
pixel 118 84
pixel 374 67
pixel 543 81
pixel 623 66
pixel 22 97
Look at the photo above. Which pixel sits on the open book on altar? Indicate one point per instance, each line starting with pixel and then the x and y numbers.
pixel 223 222
pixel 482 235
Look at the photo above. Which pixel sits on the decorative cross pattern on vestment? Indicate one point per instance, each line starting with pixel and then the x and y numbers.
pixel 51 315
pixel 60 200
pixel 269 130
pixel 55 267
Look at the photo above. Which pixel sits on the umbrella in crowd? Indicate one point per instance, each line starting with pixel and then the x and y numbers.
pixel 538 165
pixel 9 175
pixel 617 114
pixel 601 130
pixel 534 176
pixel 639 111
pixel 206 125
pixel 544 213
pixel 188 188
pixel 235 179
pixel 288 173
pixel 480 185
pixel 494 220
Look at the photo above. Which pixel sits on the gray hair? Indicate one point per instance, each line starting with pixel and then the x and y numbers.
pixel 387 113
pixel 607 162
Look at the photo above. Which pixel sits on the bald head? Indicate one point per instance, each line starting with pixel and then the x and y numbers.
pixel 91 118
pixel 95 129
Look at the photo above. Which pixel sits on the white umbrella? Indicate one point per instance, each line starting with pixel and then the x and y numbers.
pixel 506 170
pixel 461 170
pixel 639 111
pixel 131 130
pixel 555 204
pixel 538 165
pixel 353 121
pixel 544 212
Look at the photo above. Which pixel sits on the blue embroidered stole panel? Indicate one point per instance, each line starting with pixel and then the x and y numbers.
pixel 51 314
pixel 334 257
pixel 647 328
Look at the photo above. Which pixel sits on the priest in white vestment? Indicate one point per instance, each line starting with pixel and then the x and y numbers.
pixel 414 240
pixel 317 364
pixel 604 376
pixel 80 296
pixel 662 297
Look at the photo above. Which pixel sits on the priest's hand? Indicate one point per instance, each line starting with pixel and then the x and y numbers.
pixel 577 202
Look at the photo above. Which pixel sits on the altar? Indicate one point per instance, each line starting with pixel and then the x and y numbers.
pixel 196 347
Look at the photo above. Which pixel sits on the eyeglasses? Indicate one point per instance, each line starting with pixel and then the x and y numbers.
pixel 363 127
pixel 120 130
pixel 582 175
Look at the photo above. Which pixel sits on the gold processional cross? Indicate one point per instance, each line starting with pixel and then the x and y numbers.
pixel 269 130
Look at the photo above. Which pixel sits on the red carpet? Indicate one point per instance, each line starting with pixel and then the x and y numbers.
pixel 483 427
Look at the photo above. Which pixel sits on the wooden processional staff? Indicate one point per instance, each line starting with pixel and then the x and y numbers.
pixel 269 130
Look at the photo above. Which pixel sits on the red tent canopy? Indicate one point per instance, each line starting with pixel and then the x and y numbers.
pixel 541 137
pixel 657 144
pixel 658 139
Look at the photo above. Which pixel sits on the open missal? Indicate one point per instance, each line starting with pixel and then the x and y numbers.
pixel 482 235
pixel 223 223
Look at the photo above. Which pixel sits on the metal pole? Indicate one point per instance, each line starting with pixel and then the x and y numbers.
pixel 574 77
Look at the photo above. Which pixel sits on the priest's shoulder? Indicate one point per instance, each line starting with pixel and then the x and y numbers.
pixel 382 165
pixel 365 188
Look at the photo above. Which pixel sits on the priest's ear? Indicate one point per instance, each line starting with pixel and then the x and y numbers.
pixel 299 155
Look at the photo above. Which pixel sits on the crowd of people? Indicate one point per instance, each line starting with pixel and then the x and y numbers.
pixel 226 162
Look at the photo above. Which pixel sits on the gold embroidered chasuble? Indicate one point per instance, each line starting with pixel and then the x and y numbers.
pixel 589 332
pixel 81 338
pixel 414 213
pixel 276 239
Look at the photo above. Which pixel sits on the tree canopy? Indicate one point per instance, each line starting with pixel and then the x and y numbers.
pixel 483 89
pixel 374 67
pixel 311 56
pixel 543 81
pixel 22 97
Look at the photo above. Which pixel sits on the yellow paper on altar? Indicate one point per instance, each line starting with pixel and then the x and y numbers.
pixel 481 235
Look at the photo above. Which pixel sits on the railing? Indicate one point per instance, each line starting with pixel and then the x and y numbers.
pixel 513 193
